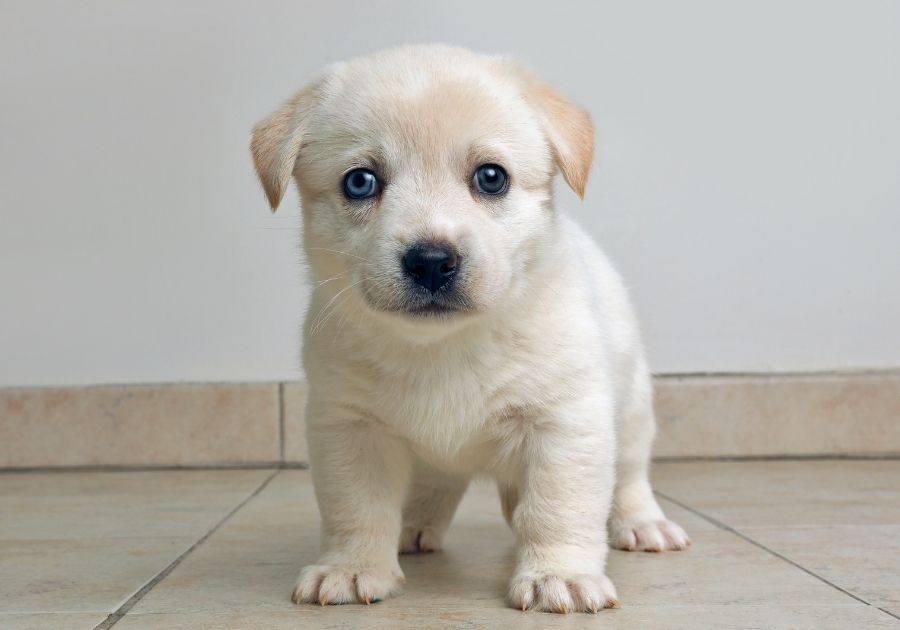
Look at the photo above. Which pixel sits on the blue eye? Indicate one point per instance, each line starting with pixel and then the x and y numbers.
pixel 491 179
pixel 360 183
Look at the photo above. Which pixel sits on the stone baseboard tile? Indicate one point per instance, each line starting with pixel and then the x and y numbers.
pixel 294 409
pixel 139 425
pixel 778 415
pixel 262 424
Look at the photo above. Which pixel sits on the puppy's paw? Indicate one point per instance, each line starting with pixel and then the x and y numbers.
pixel 327 584
pixel 655 535
pixel 420 540
pixel 562 593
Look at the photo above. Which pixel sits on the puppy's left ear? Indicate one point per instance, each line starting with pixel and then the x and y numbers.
pixel 568 127
pixel 276 141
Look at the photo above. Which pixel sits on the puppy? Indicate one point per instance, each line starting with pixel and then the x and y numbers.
pixel 460 325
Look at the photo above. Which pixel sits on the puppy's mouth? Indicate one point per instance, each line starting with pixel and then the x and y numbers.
pixel 440 305
pixel 412 302
pixel 433 309
pixel 416 306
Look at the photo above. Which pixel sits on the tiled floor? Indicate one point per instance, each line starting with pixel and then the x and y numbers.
pixel 789 544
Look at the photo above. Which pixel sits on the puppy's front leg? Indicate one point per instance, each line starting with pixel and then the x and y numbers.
pixel 360 475
pixel 564 498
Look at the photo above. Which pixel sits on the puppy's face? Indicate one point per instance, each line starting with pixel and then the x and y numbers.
pixel 425 175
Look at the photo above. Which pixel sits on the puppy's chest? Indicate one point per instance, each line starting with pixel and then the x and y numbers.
pixel 442 406
pixel 434 393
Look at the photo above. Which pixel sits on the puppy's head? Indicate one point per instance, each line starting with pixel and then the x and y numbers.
pixel 425 176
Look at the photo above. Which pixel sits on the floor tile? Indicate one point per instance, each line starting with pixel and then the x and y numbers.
pixel 864 560
pixel 687 519
pixel 78 542
pixel 748 494
pixel 122 504
pixel 719 568
pixel 251 562
pixel 78 545
pixel 838 519
pixel 51 621
pixel 249 566
pixel 80 575
pixel 471 616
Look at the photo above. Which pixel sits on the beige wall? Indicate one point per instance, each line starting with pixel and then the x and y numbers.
pixel 746 183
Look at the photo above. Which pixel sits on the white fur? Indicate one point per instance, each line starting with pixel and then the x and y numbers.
pixel 541 385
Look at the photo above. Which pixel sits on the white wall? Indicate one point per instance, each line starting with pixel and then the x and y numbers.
pixel 747 182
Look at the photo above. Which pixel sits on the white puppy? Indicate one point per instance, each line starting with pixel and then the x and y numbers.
pixel 460 326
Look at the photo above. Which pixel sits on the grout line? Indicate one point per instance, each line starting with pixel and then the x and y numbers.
pixel 157 467
pixel 779 458
pixel 122 610
pixel 888 612
pixel 285 465
pixel 851 372
pixel 281 421
pixel 753 542
pixel 139 385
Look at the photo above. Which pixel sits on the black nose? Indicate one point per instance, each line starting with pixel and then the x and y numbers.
pixel 430 265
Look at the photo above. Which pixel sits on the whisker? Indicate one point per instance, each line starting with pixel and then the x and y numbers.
pixel 337 251
pixel 321 318
pixel 326 281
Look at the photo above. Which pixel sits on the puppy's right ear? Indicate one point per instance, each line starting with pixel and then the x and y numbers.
pixel 276 141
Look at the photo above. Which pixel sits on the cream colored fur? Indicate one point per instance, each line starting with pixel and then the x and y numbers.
pixel 539 384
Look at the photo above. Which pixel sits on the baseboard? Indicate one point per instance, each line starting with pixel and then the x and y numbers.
pixel 249 425
pixel 778 415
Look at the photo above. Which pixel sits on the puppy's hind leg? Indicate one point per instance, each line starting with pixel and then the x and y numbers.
pixel 509 500
pixel 636 522
pixel 430 504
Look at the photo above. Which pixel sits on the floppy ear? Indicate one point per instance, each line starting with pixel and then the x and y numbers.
pixel 276 141
pixel 568 127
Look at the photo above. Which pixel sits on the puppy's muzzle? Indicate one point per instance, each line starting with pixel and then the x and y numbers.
pixel 431 265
